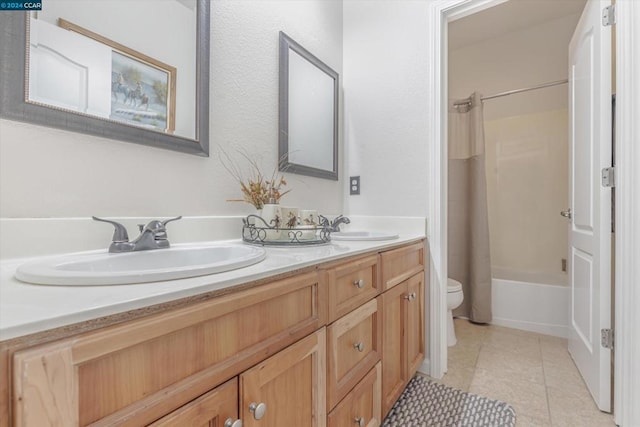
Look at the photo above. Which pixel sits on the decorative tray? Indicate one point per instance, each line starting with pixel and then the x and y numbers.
pixel 256 231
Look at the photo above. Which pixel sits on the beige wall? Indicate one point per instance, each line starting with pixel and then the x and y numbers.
pixel 47 173
pixel 526 140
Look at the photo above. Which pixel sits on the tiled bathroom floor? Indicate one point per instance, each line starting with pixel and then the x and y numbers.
pixel 532 372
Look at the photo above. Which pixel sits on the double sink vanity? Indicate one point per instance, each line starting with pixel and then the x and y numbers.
pixel 327 335
pixel 217 334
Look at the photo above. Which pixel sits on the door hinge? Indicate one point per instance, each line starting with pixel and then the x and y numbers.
pixel 609 15
pixel 606 338
pixel 609 177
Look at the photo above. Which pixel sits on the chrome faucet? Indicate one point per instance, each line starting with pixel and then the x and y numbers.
pixel 334 226
pixel 152 236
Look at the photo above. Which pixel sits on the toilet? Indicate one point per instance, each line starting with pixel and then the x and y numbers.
pixel 454 299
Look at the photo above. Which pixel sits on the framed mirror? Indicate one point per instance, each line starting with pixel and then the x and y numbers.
pixel 131 71
pixel 308 138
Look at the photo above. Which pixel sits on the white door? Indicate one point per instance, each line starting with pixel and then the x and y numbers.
pixel 590 233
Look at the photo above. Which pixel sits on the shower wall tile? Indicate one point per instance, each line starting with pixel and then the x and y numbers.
pixel 527 187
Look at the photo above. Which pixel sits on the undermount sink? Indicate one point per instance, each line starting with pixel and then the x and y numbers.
pixel 363 235
pixel 103 268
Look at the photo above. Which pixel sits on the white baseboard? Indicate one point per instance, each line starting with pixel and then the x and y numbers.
pixel 541 328
pixel 425 367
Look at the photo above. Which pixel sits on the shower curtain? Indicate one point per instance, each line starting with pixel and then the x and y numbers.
pixel 469 258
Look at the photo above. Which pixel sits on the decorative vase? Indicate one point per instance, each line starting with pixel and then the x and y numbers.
pixel 272 215
pixel 289 222
pixel 252 221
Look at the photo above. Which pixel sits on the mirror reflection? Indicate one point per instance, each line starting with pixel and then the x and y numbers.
pixel 308 113
pixel 130 62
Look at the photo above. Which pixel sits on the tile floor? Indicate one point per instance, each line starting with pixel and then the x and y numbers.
pixel 532 372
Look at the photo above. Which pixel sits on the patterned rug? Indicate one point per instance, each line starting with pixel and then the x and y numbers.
pixel 428 403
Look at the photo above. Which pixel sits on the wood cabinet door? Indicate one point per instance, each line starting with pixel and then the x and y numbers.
pixel 392 308
pixel 402 312
pixel 288 389
pixel 217 408
pixel 413 324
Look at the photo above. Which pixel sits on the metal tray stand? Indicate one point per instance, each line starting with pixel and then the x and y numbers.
pixel 256 231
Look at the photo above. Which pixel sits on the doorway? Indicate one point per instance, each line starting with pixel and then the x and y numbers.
pixel 515 55
pixel 440 13
pixel 522 73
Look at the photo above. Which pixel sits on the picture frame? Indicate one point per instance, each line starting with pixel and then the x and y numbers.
pixel 143 89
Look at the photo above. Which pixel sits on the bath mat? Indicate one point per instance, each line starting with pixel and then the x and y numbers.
pixel 428 403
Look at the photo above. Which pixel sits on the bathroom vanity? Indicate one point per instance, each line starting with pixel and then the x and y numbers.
pixel 330 342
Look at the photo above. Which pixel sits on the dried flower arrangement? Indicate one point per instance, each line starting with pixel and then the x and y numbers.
pixel 257 189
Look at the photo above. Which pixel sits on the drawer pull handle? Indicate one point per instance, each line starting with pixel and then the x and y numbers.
pixel 359 346
pixel 410 297
pixel 359 421
pixel 359 284
pixel 258 409
pixel 231 423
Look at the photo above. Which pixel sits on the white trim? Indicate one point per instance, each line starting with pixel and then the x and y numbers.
pixel 537 327
pixel 627 247
pixel 437 212
pixel 425 367
pixel 440 11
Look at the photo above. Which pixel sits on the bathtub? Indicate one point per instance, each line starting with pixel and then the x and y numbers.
pixel 531 301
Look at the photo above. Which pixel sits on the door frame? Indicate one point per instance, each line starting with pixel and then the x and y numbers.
pixel 627 239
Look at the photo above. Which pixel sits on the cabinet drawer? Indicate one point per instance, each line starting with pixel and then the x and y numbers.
pixel 134 373
pixel 362 403
pixel 353 349
pixel 351 285
pixel 399 264
pixel 212 409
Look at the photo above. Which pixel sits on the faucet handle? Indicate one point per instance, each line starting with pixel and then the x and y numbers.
pixel 119 234
pixel 158 228
pixel 171 219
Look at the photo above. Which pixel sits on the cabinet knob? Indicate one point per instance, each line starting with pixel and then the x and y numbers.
pixel 359 421
pixel 230 423
pixel 410 297
pixel 258 409
pixel 359 284
pixel 359 346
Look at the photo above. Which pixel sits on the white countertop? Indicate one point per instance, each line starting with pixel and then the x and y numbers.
pixel 26 309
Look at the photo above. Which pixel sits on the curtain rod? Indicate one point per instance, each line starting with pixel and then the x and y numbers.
pixel 511 92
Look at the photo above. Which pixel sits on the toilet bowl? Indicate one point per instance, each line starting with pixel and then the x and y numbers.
pixel 454 299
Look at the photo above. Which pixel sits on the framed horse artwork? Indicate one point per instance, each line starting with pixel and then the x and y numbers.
pixel 143 89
